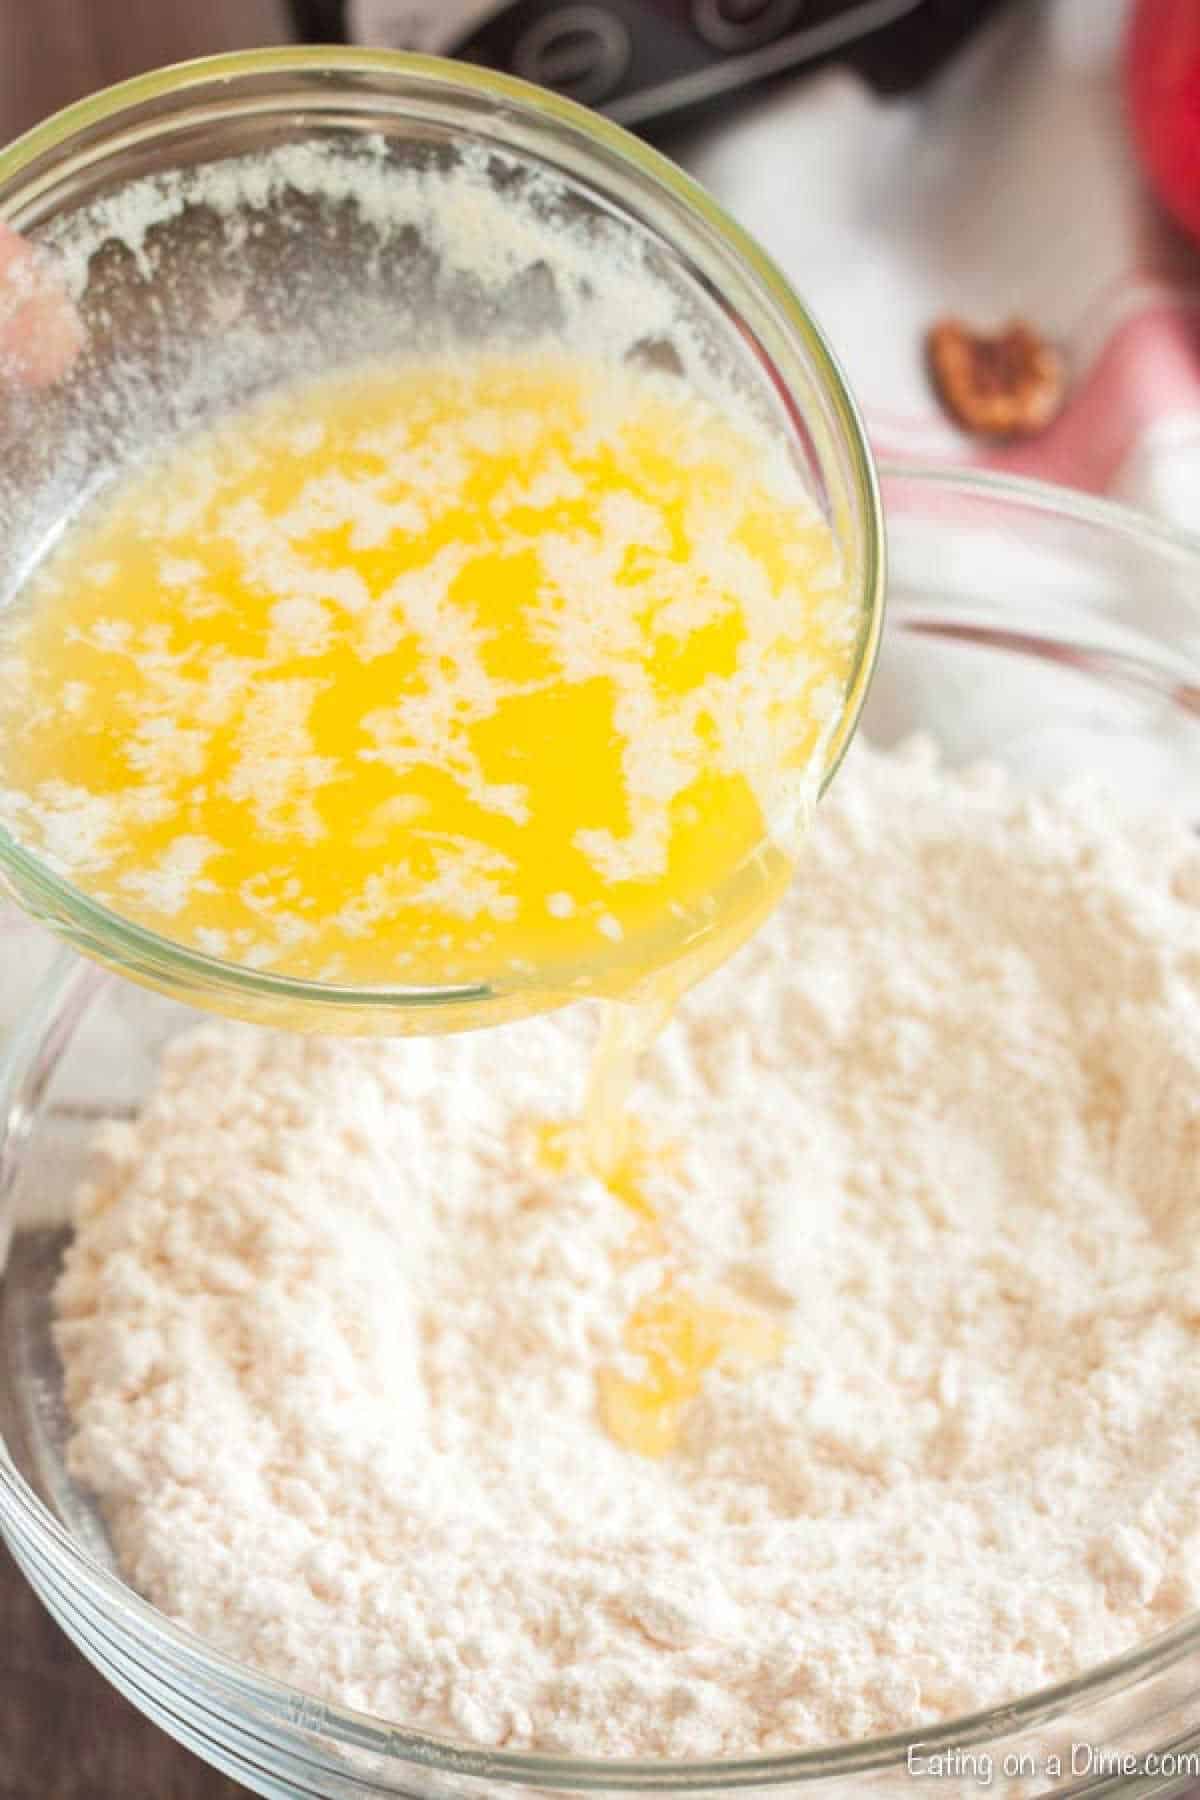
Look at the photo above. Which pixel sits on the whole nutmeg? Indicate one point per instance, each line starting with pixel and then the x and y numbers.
pixel 1003 384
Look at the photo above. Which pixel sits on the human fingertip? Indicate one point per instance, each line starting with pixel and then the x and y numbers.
pixel 40 340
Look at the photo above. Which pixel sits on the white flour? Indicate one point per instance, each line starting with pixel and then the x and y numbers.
pixel 332 1336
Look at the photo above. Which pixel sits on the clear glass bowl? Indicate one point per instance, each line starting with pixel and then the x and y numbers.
pixel 1027 625
pixel 196 291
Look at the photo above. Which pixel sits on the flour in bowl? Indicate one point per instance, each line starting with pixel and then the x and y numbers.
pixel 341 1342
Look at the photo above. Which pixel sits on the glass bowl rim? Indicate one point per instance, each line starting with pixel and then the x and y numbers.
pixel 135 947
pixel 36 1042
pixel 1050 498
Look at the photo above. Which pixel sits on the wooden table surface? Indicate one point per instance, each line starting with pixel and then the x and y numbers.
pixel 64 1733
pixel 55 51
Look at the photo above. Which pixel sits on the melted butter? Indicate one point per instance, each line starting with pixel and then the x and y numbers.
pixel 562 1149
pixel 677 1339
pixel 491 670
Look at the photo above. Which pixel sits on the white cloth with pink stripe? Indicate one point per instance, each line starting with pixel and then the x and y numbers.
pixel 1008 187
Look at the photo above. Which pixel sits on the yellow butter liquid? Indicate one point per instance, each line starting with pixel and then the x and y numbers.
pixel 674 1337
pixel 677 1339
pixel 491 669
pixel 484 670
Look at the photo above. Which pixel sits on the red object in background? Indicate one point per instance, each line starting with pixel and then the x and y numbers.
pixel 1162 71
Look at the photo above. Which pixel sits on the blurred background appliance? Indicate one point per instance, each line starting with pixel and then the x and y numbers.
pixel 651 64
